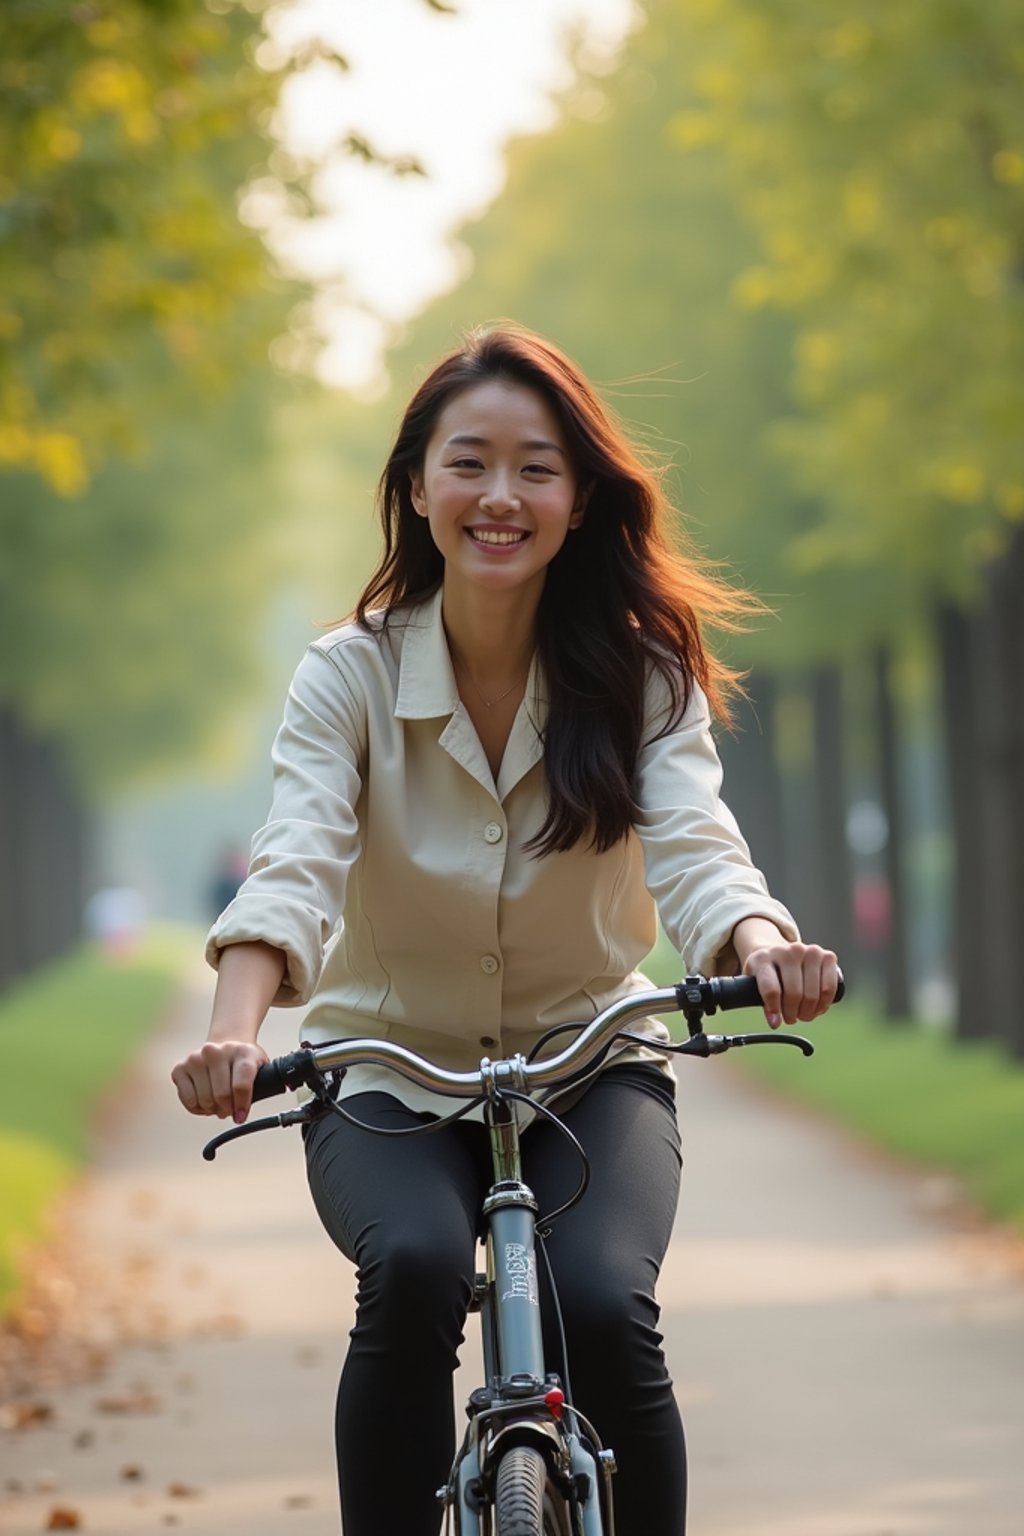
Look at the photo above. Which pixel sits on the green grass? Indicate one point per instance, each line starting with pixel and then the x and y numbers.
pixel 908 1089
pixel 66 1035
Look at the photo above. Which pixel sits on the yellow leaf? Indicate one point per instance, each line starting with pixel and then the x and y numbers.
pixel 692 130
pixel 717 83
pixel 862 205
pixel 961 483
pixel 817 351
pixel 60 460
pixel 754 288
pixel 1008 167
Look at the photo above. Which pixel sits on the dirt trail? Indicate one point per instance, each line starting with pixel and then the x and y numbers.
pixel 848 1353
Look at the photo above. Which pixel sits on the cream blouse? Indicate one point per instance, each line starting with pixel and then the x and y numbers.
pixel 392 871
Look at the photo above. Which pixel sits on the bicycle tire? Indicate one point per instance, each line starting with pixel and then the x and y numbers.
pixel 526 1500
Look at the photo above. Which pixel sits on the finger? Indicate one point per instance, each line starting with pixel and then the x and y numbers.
pixel 829 981
pixel 182 1080
pixel 221 1072
pixel 770 988
pixel 243 1075
pixel 791 981
pixel 810 1002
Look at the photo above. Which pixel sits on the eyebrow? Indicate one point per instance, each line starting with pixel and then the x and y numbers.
pixel 535 444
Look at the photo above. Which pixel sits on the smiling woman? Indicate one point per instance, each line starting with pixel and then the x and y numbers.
pixel 493 777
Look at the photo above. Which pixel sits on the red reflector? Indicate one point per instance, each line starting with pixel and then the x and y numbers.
pixel 555 1400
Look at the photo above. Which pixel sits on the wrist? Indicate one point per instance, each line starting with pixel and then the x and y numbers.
pixel 233 1031
pixel 752 933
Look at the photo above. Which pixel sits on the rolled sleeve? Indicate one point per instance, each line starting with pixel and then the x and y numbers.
pixel 698 867
pixel 294 894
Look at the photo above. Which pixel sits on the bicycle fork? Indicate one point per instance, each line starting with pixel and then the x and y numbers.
pixel 520 1403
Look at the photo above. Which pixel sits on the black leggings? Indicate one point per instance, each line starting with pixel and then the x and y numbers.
pixel 405 1211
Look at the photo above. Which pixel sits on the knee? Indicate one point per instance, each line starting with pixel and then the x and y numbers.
pixel 608 1319
pixel 416 1278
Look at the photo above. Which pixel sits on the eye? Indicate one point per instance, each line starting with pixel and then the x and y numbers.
pixel 466 461
pixel 539 469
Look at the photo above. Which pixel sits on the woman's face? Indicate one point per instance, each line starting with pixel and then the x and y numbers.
pixel 498 488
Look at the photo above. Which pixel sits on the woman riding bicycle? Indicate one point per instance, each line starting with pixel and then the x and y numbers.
pixel 486 786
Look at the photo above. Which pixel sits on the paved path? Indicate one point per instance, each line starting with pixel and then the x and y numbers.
pixel 849 1355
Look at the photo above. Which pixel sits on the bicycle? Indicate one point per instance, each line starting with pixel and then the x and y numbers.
pixel 530 1463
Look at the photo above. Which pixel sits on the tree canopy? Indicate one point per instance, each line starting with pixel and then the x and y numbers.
pixel 790 246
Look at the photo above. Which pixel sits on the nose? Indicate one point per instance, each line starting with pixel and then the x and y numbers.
pixel 499 495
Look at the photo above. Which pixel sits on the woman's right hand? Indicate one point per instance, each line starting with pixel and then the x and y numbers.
pixel 217 1079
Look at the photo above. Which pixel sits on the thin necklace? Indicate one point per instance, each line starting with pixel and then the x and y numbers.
pixel 489 703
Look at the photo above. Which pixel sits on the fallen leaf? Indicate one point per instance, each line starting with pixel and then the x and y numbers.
pixel 128 1402
pixel 182 1491
pixel 26 1415
pixel 131 1473
pixel 298 1501
pixel 63 1518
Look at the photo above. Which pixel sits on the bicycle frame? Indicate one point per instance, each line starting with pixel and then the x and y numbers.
pixel 519 1401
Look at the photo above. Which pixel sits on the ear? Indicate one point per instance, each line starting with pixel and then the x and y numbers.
pixel 583 495
pixel 419 500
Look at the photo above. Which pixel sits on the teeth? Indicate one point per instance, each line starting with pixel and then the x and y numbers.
pixel 486 536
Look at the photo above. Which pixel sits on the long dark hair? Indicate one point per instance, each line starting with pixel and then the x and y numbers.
pixel 624 592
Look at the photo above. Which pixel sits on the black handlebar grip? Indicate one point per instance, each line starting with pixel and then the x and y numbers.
pixel 741 991
pixel 284 1072
pixel 734 992
pixel 269 1081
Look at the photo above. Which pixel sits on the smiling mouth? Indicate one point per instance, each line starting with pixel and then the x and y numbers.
pixel 491 536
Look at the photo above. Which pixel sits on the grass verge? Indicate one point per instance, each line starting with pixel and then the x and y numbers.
pixel 959 1108
pixel 66 1034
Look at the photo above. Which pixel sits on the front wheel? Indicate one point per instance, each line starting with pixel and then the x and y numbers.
pixel 526 1500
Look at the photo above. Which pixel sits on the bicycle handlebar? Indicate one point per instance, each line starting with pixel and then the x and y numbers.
pixel 696 997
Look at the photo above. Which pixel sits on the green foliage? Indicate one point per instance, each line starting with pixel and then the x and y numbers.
pixel 789 245
pixel 128 615
pixel 880 160
pixel 66 1037
pixel 128 129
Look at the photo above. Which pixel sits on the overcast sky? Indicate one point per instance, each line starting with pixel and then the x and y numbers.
pixel 450 89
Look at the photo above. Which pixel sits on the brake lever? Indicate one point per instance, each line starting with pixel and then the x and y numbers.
pixel 300 1116
pixel 801 1043
pixel 701 1044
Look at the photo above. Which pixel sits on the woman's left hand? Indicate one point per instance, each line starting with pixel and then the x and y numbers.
pixel 797 982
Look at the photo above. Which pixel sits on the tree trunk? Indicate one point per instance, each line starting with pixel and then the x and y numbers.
pixel 833 919
pixel 9 904
pixel 1006 771
pixel 753 786
pixel 42 840
pixel 973 875
pixel 897 963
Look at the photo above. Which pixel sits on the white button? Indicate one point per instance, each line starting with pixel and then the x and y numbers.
pixel 488 964
pixel 493 833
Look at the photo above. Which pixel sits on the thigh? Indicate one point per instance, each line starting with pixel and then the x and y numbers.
pixel 626 1124
pixel 378 1193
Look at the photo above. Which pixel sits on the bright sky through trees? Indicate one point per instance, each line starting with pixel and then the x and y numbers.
pixel 449 89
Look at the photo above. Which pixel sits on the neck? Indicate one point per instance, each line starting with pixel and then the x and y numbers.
pixel 493 633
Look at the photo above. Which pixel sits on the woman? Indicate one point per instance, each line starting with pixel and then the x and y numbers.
pixel 495 775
